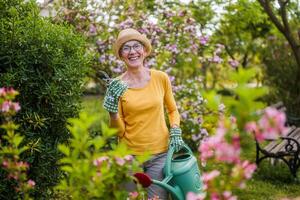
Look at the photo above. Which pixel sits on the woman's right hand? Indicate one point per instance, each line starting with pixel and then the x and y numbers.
pixel 116 88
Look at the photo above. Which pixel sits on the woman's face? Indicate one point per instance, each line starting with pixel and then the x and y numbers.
pixel 133 53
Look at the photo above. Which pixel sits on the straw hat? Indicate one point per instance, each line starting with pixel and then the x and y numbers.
pixel 131 34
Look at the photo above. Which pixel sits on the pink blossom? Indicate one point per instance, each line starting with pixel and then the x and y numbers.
pixel 128 23
pixel 128 157
pixel 2 92
pixel 227 153
pixel 97 162
pixel 204 40
pixel 172 78
pixel 5 163
pixel 16 107
pixel 228 195
pixel 31 183
pixel 172 48
pixel 206 150
pixel 22 164
pixel 248 169
pixel 5 106
pixel 184 115
pixel 215 196
pixel 233 63
pixel 120 161
pixel 133 195
pixel 270 126
pixel 92 29
pixel 209 176
pixel 216 59
pixel 11 91
pixel 193 196
pixel 232 119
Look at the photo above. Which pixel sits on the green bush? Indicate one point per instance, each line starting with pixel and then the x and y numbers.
pixel 46 63
pixel 281 75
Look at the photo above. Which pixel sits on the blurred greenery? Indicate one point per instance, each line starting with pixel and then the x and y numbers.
pixel 268 183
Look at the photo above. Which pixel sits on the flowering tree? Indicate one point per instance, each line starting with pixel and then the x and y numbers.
pixel 13 169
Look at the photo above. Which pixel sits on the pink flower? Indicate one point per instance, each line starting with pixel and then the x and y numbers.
pixel 172 48
pixel 128 157
pixel 270 126
pixel 204 40
pixel 2 92
pixel 233 63
pixel 97 162
pixel 5 106
pixel 133 195
pixel 248 169
pixel 31 183
pixel 11 91
pixel 215 196
pixel 93 29
pixel 227 153
pixel 209 176
pixel 120 161
pixel 228 195
pixel 193 196
pixel 16 107
pixel 216 59
pixel 232 119
pixel 5 163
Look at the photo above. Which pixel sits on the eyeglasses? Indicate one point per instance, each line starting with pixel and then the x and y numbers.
pixel 127 48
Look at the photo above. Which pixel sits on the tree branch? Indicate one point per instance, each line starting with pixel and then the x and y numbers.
pixel 287 30
pixel 266 5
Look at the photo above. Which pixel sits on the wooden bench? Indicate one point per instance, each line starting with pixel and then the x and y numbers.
pixel 285 148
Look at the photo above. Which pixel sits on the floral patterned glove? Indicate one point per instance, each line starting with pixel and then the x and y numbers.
pixel 116 88
pixel 176 139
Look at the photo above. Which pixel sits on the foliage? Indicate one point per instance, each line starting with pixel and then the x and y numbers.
pixel 280 76
pixel 90 172
pixel 13 170
pixel 46 64
pixel 226 143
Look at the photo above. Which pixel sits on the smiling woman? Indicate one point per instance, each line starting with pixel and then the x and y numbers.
pixel 135 101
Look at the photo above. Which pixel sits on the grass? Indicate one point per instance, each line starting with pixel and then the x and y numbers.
pixel 268 183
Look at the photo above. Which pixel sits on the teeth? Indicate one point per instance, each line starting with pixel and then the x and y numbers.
pixel 135 58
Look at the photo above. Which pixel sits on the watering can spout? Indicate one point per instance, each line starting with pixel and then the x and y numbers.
pixel 146 181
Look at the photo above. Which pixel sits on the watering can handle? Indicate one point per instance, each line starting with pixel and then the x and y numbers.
pixel 170 156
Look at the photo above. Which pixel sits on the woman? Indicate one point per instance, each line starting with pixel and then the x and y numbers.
pixel 136 101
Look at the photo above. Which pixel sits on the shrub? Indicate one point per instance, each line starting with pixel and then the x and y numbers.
pixel 46 64
pixel 281 76
pixel 91 172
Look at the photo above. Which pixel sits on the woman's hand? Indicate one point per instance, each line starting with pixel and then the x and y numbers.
pixel 175 138
pixel 115 89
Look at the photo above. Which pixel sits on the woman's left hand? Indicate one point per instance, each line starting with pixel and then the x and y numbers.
pixel 176 140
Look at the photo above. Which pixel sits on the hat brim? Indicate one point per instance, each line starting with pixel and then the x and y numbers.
pixel 139 37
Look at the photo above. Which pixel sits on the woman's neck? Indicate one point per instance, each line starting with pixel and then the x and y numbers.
pixel 137 73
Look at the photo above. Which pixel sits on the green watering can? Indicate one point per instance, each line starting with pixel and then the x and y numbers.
pixel 182 174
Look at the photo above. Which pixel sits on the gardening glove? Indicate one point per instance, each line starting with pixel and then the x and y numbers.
pixel 176 139
pixel 116 88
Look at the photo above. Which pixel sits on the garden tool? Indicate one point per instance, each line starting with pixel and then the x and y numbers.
pixel 182 174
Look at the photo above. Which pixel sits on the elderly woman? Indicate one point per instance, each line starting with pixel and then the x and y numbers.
pixel 135 102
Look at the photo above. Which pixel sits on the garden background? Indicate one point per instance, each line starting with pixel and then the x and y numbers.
pixel 226 60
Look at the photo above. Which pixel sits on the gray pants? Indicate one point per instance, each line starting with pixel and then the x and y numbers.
pixel 154 168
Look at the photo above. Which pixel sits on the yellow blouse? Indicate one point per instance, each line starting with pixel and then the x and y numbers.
pixel 141 123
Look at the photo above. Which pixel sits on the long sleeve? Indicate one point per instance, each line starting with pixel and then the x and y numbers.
pixel 173 114
pixel 119 122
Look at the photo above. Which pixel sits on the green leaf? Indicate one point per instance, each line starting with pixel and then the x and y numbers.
pixel 64 149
